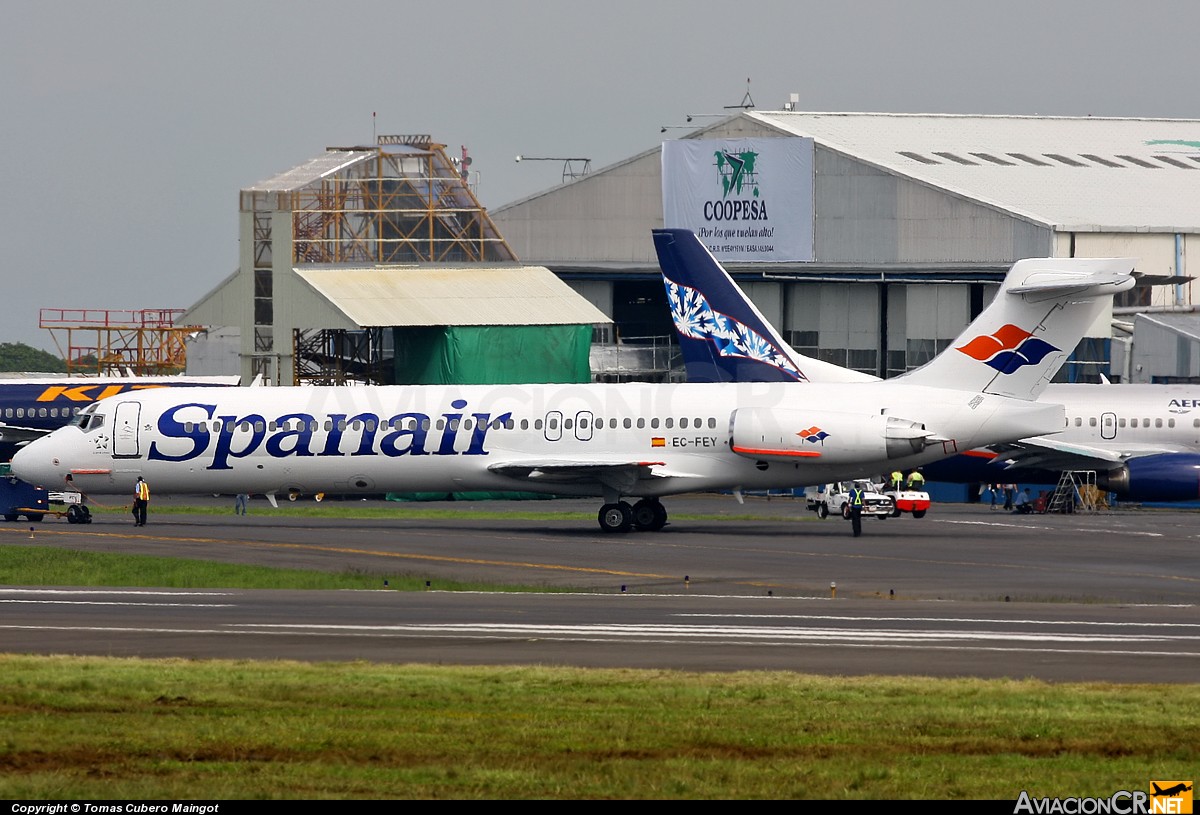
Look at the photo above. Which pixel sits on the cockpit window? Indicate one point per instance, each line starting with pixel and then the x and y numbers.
pixel 88 421
pixel 83 418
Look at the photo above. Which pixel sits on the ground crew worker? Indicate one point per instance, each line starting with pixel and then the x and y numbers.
pixel 916 481
pixel 141 500
pixel 897 480
pixel 855 507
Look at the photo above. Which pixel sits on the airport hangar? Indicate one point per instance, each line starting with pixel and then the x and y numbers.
pixel 906 223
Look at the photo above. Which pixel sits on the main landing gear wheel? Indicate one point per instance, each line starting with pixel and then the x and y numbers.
pixel 649 515
pixel 616 517
pixel 78 514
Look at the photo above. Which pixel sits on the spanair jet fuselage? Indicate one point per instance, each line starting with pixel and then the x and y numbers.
pixel 608 440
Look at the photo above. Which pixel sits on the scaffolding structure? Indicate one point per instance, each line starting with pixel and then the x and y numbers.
pixel 334 356
pixel 143 342
pixel 402 200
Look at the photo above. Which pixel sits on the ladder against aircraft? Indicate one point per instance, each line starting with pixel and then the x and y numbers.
pixel 1076 491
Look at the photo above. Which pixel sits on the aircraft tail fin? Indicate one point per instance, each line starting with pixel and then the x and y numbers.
pixel 723 337
pixel 1026 333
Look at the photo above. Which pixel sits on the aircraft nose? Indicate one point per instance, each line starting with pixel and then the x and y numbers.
pixel 27 464
pixel 19 461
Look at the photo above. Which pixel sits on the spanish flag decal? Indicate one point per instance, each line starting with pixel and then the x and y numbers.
pixel 658 441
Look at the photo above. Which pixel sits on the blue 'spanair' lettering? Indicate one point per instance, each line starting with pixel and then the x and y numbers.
pixel 297 439
pixel 240 436
pixel 229 424
pixel 176 430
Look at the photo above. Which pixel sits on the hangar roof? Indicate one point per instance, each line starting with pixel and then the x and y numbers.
pixel 1182 324
pixel 1079 174
pixel 450 295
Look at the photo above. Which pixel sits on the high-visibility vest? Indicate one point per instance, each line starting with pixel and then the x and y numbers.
pixel 142 490
pixel 856 497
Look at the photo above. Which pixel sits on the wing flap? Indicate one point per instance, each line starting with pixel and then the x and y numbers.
pixel 1049 454
pixel 619 475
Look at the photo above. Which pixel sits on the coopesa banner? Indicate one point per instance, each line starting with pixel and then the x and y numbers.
pixel 746 199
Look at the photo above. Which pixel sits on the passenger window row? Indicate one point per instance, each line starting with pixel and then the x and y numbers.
pixel 40 413
pixel 454 424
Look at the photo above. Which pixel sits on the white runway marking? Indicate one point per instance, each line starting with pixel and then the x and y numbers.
pixel 1031 526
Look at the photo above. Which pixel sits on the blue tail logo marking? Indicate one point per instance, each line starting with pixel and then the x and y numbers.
pixel 696 319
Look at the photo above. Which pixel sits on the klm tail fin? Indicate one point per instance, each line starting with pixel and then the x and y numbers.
pixel 1027 332
pixel 722 336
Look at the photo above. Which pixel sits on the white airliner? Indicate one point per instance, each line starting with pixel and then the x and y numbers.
pixel 1143 441
pixel 616 441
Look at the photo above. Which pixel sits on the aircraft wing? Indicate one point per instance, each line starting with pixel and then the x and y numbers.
pixel 1045 453
pixel 620 475
pixel 13 434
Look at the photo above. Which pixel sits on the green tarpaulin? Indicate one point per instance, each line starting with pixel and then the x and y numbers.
pixel 489 355
pixel 492 354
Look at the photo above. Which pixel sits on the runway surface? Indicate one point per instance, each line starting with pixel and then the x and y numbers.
pixel 964 591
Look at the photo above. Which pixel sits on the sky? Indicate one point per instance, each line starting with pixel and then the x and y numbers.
pixel 128 127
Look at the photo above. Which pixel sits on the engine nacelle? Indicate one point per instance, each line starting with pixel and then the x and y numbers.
pixel 1161 477
pixel 824 437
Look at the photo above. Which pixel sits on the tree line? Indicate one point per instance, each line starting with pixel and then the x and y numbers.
pixel 17 357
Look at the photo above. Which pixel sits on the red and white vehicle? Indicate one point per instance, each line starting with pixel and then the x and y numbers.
pixel 915 502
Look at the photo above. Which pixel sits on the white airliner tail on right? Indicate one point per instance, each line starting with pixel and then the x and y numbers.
pixel 1031 326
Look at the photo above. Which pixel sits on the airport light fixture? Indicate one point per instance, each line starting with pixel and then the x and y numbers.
pixel 572 167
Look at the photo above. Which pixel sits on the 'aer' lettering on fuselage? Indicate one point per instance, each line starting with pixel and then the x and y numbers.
pixel 404 434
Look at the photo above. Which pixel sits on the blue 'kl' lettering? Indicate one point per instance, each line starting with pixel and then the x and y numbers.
pixel 411 436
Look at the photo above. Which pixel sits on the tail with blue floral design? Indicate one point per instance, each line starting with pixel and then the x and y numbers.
pixel 722 336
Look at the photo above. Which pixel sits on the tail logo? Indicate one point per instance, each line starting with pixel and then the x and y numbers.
pixel 1009 349
pixel 695 318
pixel 737 171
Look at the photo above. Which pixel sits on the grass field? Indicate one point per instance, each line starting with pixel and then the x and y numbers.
pixel 105 729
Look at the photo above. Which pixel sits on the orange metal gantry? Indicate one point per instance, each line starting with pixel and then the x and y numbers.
pixel 142 342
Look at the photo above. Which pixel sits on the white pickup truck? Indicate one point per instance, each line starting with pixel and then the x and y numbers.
pixel 835 498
